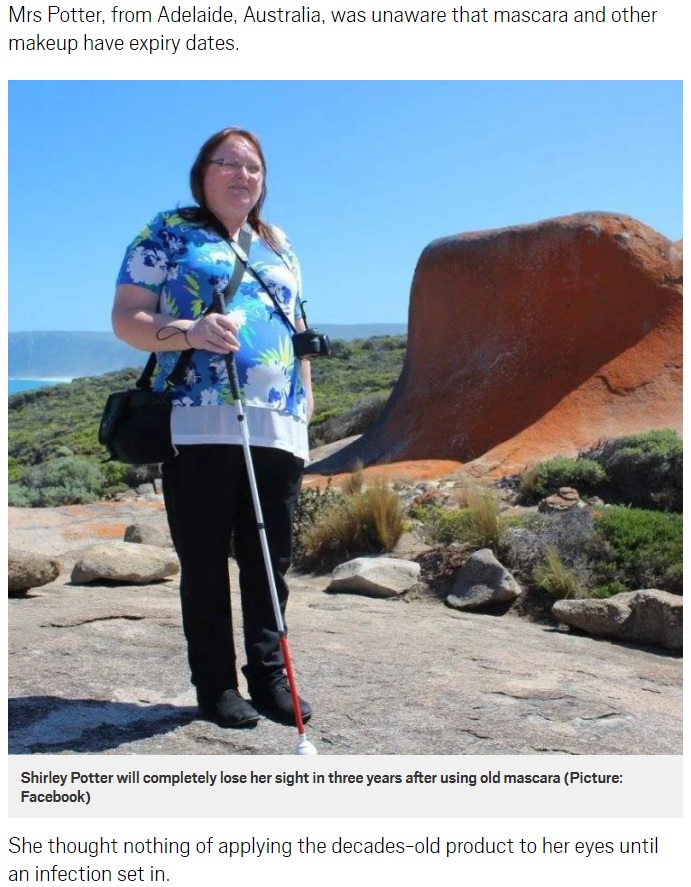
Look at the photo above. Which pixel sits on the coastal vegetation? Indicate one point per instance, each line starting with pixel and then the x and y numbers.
pixel 594 549
pixel 53 443
pixel 644 470
pixel 627 534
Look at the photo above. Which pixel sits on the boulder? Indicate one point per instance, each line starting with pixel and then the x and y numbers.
pixel 533 341
pixel 149 534
pixel 149 490
pixel 27 570
pixel 647 616
pixel 482 581
pixel 125 563
pixel 352 422
pixel 380 577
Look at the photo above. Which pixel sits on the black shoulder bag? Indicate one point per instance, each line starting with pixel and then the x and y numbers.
pixel 135 424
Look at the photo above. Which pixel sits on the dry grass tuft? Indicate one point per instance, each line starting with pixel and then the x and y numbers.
pixel 558 580
pixel 356 481
pixel 485 524
pixel 527 486
pixel 368 522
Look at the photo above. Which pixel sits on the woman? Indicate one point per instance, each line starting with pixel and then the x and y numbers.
pixel 168 280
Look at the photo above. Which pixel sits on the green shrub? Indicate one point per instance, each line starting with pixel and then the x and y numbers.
pixel 115 477
pixel 119 477
pixel 605 552
pixel 644 470
pixel 357 369
pixel 15 470
pixel 422 513
pixel 586 475
pixel 479 525
pixel 441 526
pixel 319 420
pixel 18 496
pixel 526 485
pixel 526 543
pixel 311 505
pixel 607 590
pixel 637 549
pixel 69 481
pixel 341 349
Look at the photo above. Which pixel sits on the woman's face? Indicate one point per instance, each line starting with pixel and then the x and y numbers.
pixel 234 187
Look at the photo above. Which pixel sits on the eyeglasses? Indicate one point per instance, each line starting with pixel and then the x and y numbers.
pixel 233 166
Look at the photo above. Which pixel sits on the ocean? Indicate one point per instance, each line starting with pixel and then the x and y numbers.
pixel 17 385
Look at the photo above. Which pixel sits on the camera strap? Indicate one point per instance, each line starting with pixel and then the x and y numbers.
pixel 241 250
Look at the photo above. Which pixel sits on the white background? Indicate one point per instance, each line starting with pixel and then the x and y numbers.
pixel 369 51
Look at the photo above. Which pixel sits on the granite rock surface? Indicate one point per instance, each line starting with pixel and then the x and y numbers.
pixel 102 669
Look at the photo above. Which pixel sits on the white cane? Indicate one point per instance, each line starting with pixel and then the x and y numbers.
pixel 304 746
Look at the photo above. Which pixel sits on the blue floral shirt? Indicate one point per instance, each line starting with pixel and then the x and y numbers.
pixel 185 265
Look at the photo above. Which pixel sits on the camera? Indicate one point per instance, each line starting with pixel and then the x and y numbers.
pixel 311 343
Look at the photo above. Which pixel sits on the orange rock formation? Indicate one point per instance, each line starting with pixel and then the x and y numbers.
pixel 534 341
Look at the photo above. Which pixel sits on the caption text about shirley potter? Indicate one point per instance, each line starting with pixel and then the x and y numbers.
pixel 80 787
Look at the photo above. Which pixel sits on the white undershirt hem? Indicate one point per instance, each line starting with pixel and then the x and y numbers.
pixel 219 425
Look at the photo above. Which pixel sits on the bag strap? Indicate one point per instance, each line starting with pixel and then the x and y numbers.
pixel 182 363
pixel 144 381
pixel 243 244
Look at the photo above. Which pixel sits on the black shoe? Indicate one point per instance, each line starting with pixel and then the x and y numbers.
pixel 227 710
pixel 274 700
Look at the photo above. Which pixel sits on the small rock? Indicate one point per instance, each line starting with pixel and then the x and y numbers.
pixel 648 616
pixel 563 500
pixel 146 490
pixel 27 570
pixel 432 498
pixel 381 577
pixel 148 534
pixel 125 563
pixel 409 545
pixel 482 581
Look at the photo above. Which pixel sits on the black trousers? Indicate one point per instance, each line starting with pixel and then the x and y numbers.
pixel 208 501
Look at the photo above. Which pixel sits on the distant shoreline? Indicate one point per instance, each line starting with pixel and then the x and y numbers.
pixel 50 356
pixel 25 384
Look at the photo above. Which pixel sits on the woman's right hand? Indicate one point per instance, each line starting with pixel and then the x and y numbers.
pixel 213 332
pixel 136 321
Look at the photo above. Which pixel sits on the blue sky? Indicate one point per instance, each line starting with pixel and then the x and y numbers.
pixel 361 175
